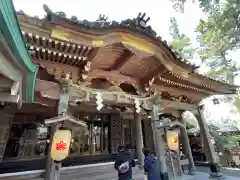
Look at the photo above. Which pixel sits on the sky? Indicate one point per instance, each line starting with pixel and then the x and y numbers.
pixel 160 12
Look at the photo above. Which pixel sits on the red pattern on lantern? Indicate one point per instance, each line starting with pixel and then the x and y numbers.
pixel 61 146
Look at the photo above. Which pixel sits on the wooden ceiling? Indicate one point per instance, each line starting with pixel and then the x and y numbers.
pixel 114 62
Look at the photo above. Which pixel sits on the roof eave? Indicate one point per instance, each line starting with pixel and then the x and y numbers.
pixel 149 34
pixel 12 32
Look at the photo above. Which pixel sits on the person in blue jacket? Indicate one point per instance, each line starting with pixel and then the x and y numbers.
pixel 150 166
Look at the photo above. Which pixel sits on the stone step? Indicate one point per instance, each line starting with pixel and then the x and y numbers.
pixel 22 175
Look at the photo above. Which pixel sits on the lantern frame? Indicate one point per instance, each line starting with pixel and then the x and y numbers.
pixel 66 121
pixel 63 123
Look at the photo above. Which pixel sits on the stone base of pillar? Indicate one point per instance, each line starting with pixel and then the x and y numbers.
pixel 192 172
pixel 214 175
pixel 215 172
pixel 164 176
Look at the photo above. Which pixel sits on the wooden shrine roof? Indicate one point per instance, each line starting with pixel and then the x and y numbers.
pixel 121 56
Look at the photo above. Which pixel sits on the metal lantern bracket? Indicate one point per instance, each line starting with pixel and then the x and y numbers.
pixel 162 124
pixel 66 121
pixel 161 127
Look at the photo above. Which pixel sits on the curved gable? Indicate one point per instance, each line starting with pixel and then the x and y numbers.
pixel 12 33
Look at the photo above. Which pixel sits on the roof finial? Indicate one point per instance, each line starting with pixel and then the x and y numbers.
pixel 47 9
pixel 102 18
pixel 21 12
pixel 141 21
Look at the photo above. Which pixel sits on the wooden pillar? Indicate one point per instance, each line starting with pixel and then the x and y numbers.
pixel 49 159
pixel 53 168
pixel 122 131
pixel 139 138
pixel 102 134
pixel 187 148
pixel 179 166
pixel 92 137
pixel 209 149
pixel 159 144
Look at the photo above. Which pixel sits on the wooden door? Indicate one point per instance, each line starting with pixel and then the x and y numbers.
pixel 126 131
pixel 28 141
pixel 116 134
pixel 133 134
pixel 148 133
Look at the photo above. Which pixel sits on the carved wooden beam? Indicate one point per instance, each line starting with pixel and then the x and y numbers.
pixel 93 53
pixel 86 95
pixel 47 102
pixel 56 53
pixel 113 77
pixel 126 55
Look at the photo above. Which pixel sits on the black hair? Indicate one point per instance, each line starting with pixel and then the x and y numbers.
pixel 120 148
pixel 127 146
pixel 146 151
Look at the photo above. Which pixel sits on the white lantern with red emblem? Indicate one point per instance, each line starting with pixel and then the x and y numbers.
pixel 61 144
pixel 173 140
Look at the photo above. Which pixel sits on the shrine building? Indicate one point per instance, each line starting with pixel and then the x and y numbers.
pixel 123 80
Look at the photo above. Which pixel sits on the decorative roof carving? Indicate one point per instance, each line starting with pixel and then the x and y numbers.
pixel 61 14
pixel 102 18
pixel 47 9
pixel 136 24
pixel 140 21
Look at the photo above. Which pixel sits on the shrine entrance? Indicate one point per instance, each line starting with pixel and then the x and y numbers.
pixel 117 77
pixel 96 140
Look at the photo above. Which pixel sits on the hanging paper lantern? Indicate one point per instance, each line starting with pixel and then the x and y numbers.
pixel 61 144
pixel 173 140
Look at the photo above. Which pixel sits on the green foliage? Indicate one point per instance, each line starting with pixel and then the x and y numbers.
pixel 174 29
pixel 180 42
pixel 178 5
pixel 217 36
pixel 232 138
pixel 237 101
pixel 189 126
pixel 205 5
pixel 208 5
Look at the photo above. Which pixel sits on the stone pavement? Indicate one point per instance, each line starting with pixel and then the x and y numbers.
pixel 232 172
pixel 203 176
pixel 106 171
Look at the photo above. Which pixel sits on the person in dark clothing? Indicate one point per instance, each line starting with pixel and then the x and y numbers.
pixel 150 166
pixel 124 163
